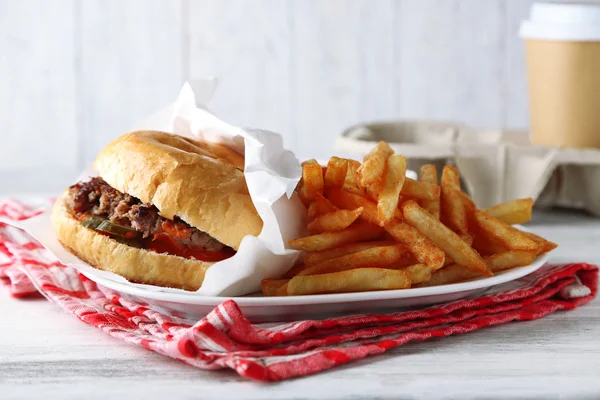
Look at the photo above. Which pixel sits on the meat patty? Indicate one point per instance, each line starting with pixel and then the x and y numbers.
pixel 98 198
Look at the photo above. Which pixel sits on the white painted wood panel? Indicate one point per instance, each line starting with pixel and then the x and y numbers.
pixel 450 60
pixel 343 64
pixel 132 61
pixel 305 68
pixel 515 83
pixel 37 85
pixel 246 44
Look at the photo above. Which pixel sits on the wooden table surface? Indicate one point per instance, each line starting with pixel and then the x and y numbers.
pixel 46 353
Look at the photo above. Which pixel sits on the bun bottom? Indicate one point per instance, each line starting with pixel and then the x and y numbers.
pixel 134 264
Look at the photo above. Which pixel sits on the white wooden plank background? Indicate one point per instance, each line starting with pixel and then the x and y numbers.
pixel 246 44
pixel 131 65
pixel 90 69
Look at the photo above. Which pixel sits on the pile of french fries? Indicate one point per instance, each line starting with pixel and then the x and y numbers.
pixel 373 228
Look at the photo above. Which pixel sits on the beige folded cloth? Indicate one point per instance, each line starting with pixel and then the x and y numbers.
pixel 495 166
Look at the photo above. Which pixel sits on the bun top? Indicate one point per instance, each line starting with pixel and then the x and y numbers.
pixel 181 177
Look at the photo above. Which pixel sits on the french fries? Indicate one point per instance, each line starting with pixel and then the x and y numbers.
pixel 312 258
pixel 356 280
pixel 334 221
pixel 351 183
pixel 372 169
pixel 336 172
pixel 422 248
pixel 320 206
pixel 368 258
pixel 387 203
pixel 513 212
pixel 444 238
pixel 419 273
pixel 510 259
pixel 358 232
pixel 503 234
pixel 428 174
pixel 270 287
pixel 373 228
pixel 420 190
pixel 543 244
pixel 312 176
pixel 452 204
pixel 451 274
pixel 350 201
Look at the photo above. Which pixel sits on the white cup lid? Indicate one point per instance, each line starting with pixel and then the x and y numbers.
pixel 562 21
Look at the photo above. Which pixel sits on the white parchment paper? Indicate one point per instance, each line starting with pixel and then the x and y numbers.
pixel 271 175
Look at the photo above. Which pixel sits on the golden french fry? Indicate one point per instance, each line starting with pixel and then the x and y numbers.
pixel 419 273
pixel 444 238
pixel 450 178
pixel 312 176
pixel 543 244
pixel 485 246
pixel 336 172
pixel 374 190
pixel 270 287
pixel 313 258
pixel 356 280
pixel 506 235
pixel 301 190
pixel 404 263
pixel 390 193
pixel 512 212
pixel 295 270
pixel 510 259
pixel 358 232
pixel 369 258
pixel 334 221
pixel 454 212
pixel 373 166
pixel 451 274
pixel 428 174
pixel 351 183
pixel 224 153
pixel 420 246
pixel 320 206
pixel 351 201
pixel 453 207
pixel 282 291
pixel 420 190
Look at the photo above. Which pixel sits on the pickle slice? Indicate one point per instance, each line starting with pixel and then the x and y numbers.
pixel 92 222
pixel 118 230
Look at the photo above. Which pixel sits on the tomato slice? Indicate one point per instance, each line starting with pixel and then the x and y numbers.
pixel 164 243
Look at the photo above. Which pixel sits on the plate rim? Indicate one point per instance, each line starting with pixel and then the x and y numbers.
pixel 333 298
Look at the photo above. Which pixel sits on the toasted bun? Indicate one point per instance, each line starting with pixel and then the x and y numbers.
pixel 136 265
pixel 182 178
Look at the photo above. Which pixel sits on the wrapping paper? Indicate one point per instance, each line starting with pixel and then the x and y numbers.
pixel 272 174
pixel 275 352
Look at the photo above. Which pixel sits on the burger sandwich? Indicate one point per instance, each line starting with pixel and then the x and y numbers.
pixel 163 209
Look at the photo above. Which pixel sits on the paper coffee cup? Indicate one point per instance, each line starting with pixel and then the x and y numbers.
pixel 562 43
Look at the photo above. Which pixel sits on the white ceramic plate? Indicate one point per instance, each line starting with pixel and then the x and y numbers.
pixel 264 309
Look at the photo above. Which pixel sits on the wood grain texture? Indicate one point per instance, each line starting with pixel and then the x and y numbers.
pixel 37 85
pixel 515 99
pixel 343 64
pixel 246 44
pixel 45 351
pixel 131 65
pixel 450 60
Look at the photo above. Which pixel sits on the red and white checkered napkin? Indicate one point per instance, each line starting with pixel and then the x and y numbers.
pixel 225 338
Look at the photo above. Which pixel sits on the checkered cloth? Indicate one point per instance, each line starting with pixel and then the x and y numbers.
pixel 225 338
